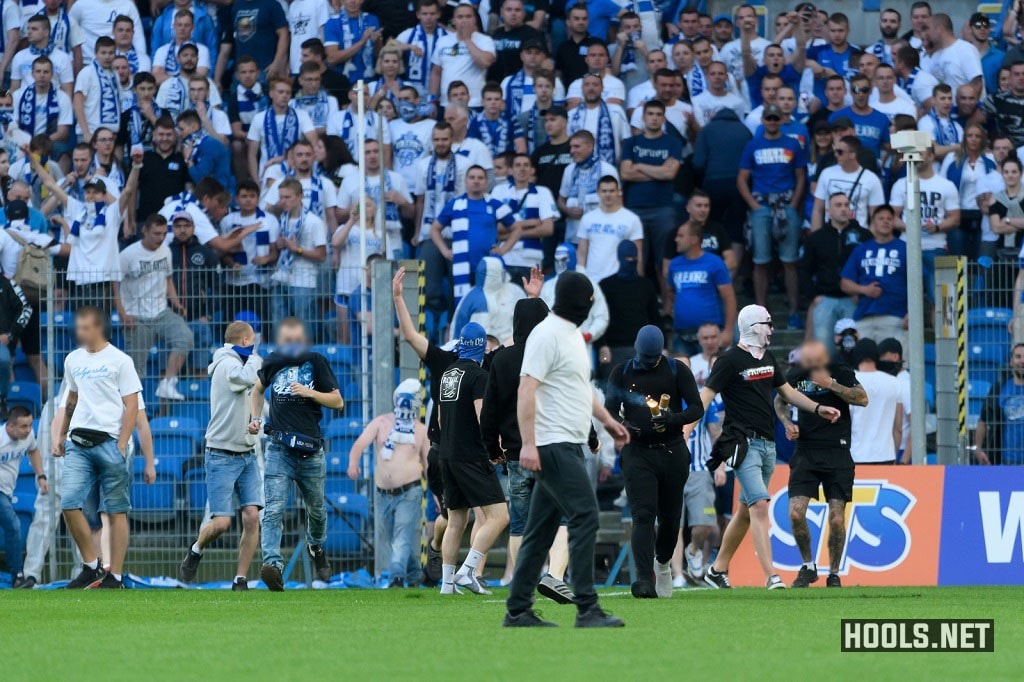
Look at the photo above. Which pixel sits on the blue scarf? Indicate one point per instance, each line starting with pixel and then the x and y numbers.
pixel 110 97
pixel 605 137
pixel 908 82
pixel 60 29
pixel 195 139
pixel 697 82
pixel 384 186
pixel 945 131
pixel 94 215
pixel 417 69
pixel 278 141
pixel 27 110
pixel 41 52
pixel 171 65
pixel 133 59
pixel 628 62
pixel 290 230
pixel 515 90
pixel 316 191
pixel 250 102
pixel 497 135
pixel 115 175
pixel 518 205
pixel 242 257
pixel 317 106
pixel 584 178
pixel 350 37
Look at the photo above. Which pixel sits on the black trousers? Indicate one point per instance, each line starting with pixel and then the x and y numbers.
pixel 655 478
pixel 562 488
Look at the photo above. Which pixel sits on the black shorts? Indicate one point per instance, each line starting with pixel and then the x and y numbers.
pixel 435 482
pixel 724 495
pixel 470 484
pixel 831 468
pixel 30 342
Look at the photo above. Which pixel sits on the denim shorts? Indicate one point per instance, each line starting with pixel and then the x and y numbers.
pixel 228 475
pixel 520 488
pixel 84 467
pixel 762 240
pixel 756 470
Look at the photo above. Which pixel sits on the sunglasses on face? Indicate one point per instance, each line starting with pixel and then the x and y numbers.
pixel 840 152
pixel 981 25
pixel 861 90
pixel 772 118
pixel 771 325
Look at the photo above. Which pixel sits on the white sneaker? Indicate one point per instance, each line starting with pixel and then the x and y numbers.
pixel 449 588
pixel 168 390
pixel 678 582
pixel 694 563
pixel 471 583
pixel 662 579
pixel 775 583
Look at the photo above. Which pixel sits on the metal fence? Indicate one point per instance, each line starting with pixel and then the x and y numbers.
pixel 171 340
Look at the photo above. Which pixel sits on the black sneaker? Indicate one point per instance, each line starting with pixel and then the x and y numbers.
pixel 108 582
pixel 188 567
pixel 271 577
pixel 527 619
pixel 643 589
pixel 23 583
pixel 87 577
pixel 432 570
pixel 320 565
pixel 595 617
pixel 805 577
pixel 396 584
pixel 719 581
pixel 833 581
pixel 240 585
pixel 556 590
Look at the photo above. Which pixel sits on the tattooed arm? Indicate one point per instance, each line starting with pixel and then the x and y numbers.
pixel 853 395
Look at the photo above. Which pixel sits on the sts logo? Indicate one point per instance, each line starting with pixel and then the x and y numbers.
pixel 877 536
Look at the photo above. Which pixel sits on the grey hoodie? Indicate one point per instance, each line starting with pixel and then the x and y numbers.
pixel 231 384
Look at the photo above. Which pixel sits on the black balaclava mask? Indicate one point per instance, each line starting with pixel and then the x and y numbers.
pixel 574 296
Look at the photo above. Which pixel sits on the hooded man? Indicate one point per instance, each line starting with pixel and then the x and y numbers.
pixel 657 397
pixel 745 375
pixel 632 303
pixel 491 301
pixel 400 460
pixel 466 470
pixel 596 321
pixel 231 453
pixel 500 429
pixel 554 408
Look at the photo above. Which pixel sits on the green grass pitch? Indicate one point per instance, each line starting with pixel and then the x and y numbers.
pixel 743 634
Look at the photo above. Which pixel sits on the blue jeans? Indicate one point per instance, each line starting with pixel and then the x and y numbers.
pixel 227 475
pixel 297 301
pixel 756 470
pixel 827 311
pixel 520 488
pixel 83 467
pixel 761 237
pixel 281 468
pixel 10 526
pixel 5 370
pixel 398 527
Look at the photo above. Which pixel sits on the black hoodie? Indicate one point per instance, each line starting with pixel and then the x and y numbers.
pixel 498 418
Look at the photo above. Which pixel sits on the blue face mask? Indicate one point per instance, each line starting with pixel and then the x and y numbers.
pixel 243 351
pixel 292 351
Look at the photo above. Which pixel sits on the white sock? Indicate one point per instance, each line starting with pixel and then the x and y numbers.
pixel 471 562
pixel 810 565
pixel 106 567
pixel 448 573
pixel 117 576
pixel 241 578
pixel 94 564
pixel 195 549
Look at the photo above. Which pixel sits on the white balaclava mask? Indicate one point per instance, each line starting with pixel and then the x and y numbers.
pixel 754 322
pixel 407 411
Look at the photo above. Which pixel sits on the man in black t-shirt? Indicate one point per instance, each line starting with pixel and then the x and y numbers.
pixel 551 159
pixel 745 376
pixel 301 385
pixel 466 470
pixel 715 239
pixel 822 454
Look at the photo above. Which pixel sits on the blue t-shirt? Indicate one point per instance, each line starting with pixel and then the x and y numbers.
pixel 830 59
pixel 654 152
pixel 696 285
pixel 773 163
pixel 361 65
pixel 475 221
pixel 885 264
pixel 256 23
pixel 794 129
pixel 872 129
pixel 789 75
pixel 1011 403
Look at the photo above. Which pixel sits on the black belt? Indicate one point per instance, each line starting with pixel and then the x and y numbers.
pixel 759 436
pixel 395 492
pixel 659 446
pixel 230 452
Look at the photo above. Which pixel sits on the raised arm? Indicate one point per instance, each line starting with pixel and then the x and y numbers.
pixel 417 341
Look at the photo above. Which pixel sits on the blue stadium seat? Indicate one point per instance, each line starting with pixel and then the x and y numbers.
pixel 178 427
pixel 981 371
pixel 156 502
pixel 340 358
pixel 27 395
pixel 339 437
pixel 977 392
pixel 985 353
pixel 989 317
pixel 347 518
pixel 195 490
pixel 195 411
pixel 195 390
pixel 929 395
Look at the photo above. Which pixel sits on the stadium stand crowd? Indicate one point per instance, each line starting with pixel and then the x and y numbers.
pixel 685 163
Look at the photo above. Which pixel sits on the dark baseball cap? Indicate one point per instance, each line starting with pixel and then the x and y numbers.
pixel 979 18
pixel 16 210
pixel 555 111
pixel 722 17
pixel 890 346
pixel 821 125
pixel 842 123
pixel 771 111
pixel 535 44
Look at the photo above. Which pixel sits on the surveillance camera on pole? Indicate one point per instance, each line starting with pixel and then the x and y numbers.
pixel 909 144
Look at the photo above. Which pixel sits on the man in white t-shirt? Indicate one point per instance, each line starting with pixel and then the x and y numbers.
pixel 247 285
pixel 306 19
pixel 731 53
pixel 848 177
pixel 17 441
pixel 606 122
pixel 411 135
pixel 885 99
pixel 96 19
pixel 97 99
pixel 613 90
pixel 319 195
pixel 396 197
pixel 954 61
pixel 463 55
pixel 165 59
pixel 142 298
pixel 717 96
pixel 878 426
pixel 535 211
pixel 41 108
pixel 99 418
pixel 37 32
pixel 578 192
pixel 940 212
pixel 603 228
pixel 556 402
pixel 302 247
pixel 276 129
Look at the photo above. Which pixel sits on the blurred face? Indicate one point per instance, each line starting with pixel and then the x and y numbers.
pixel 889 25
pixel 80 162
pixel 974 139
pixel 164 139
pixel 685 240
pixel 532 58
pixel 835 93
pixel 289 200
pixel 543 89
pixel 88 330
pixel 813 355
pixel 823 138
pixel 597 58
pixel 459 94
pixel 774 60
pixel 372 154
pixel 1004 80
pixel 1001 148
pixel 837 33
pixel 19 427
pixel 353 6
pixel 839 210
pixel 5 165
pixel 183 230
pixel 493 103
pixel 555 126
pixel 1011 174
pixel 981 31
pixel 247 200
pixel 844 155
pixel 580 149
pixel 428 16
pixel 781 23
pixel 771 124
pixel 248 73
pixel 464 19
pixel 476 181
pixel 291 335
pixel 302 157
pixel 455 118
pixel 656 60
pixel 746 18
pixel 868 64
pixel 919 19
pixel 123 70
pixel 389 64
pixel 682 57
pixel 198 91
pixel 699 209
pixel 145 91
pixel 1017 78
pixel 186 128
pixel 707 337
pixel 706 28
pixel 608 194
pixel 154 235
pixel 630 25
pixel 861 91
pixel 723 31
pixel 103 142
pixel 188 60
pixel 592 89
pixel 43 75
pixel 512 13
pixel 665 87
pixel 881 224
pixel 689 24
pixel 1016 364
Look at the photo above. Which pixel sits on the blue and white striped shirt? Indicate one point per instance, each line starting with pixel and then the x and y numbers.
pixel 533 203
pixel 474 225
